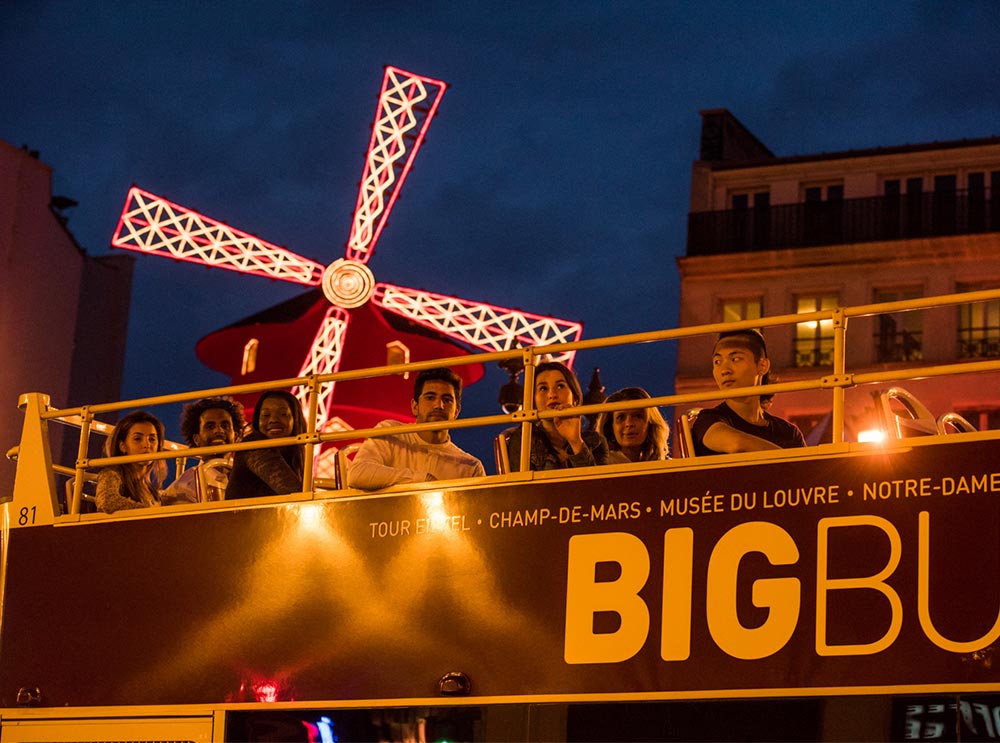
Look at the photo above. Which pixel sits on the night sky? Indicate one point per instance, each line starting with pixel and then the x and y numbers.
pixel 555 177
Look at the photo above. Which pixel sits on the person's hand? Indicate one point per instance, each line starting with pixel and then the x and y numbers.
pixel 570 428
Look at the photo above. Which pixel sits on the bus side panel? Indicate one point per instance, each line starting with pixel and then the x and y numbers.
pixel 544 588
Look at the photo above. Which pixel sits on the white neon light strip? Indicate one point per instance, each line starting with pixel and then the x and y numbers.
pixel 151 224
pixel 389 160
pixel 482 325
pixel 324 358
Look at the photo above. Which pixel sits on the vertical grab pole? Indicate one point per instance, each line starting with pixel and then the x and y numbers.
pixel 527 404
pixel 839 372
pixel 310 453
pixel 81 456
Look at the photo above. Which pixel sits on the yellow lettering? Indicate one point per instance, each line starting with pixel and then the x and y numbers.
pixel 781 596
pixel 678 572
pixel 923 598
pixel 876 582
pixel 585 597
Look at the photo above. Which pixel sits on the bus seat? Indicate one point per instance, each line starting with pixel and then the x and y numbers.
pixel 914 420
pixel 500 453
pixel 685 439
pixel 343 463
pixel 954 423
pixel 88 495
pixel 213 476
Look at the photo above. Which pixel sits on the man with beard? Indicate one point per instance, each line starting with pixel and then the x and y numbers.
pixel 417 457
pixel 211 421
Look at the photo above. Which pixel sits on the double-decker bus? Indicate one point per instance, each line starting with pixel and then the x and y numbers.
pixel 843 591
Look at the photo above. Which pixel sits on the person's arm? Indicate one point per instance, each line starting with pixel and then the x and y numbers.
pixel 183 489
pixel 480 470
pixel 271 467
pixel 723 438
pixel 571 429
pixel 598 447
pixel 109 493
pixel 369 470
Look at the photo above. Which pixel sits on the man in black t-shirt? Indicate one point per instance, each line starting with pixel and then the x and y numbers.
pixel 741 424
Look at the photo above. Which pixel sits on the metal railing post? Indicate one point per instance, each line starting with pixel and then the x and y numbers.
pixel 81 455
pixel 839 371
pixel 527 405
pixel 310 449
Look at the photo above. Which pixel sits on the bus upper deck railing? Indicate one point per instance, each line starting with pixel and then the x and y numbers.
pixel 837 379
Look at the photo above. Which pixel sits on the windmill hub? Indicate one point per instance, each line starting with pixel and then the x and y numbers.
pixel 348 283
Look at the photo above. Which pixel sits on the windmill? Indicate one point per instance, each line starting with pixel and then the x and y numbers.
pixel 353 312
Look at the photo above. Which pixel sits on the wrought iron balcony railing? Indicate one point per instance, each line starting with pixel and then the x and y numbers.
pixel 870 219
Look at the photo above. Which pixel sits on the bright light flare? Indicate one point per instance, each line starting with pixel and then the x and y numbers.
pixel 266 691
pixel 871 436
pixel 433 504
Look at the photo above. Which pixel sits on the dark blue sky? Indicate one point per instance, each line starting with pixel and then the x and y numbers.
pixel 554 179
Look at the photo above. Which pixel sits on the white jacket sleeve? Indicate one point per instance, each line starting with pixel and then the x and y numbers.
pixel 370 471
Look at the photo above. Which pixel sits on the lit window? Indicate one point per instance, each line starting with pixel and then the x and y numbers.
pixel 249 357
pixel 978 326
pixel 396 352
pixel 814 339
pixel 745 308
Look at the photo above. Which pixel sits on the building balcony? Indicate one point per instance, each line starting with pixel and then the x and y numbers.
pixel 872 219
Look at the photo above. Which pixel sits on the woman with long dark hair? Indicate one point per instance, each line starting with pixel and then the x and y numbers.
pixel 557 443
pixel 135 484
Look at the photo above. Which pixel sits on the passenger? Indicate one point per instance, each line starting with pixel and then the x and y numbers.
pixel 741 424
pixel 636 434
pixel 211 421
pixel 277 470
pixel 136 484
pixel 417 457
pixel 557 443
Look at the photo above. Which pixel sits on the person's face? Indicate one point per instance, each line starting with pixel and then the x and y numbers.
pixel 629 427
pixel 552 391
pixel 436 402
pixel 734 366
pixel 141 438
pixel 215 427
pixel 276 418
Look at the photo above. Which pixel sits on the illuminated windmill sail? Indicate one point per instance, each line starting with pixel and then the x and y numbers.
pixel 407 104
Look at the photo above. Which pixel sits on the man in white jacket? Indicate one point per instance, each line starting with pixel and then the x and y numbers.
pixel 417 457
